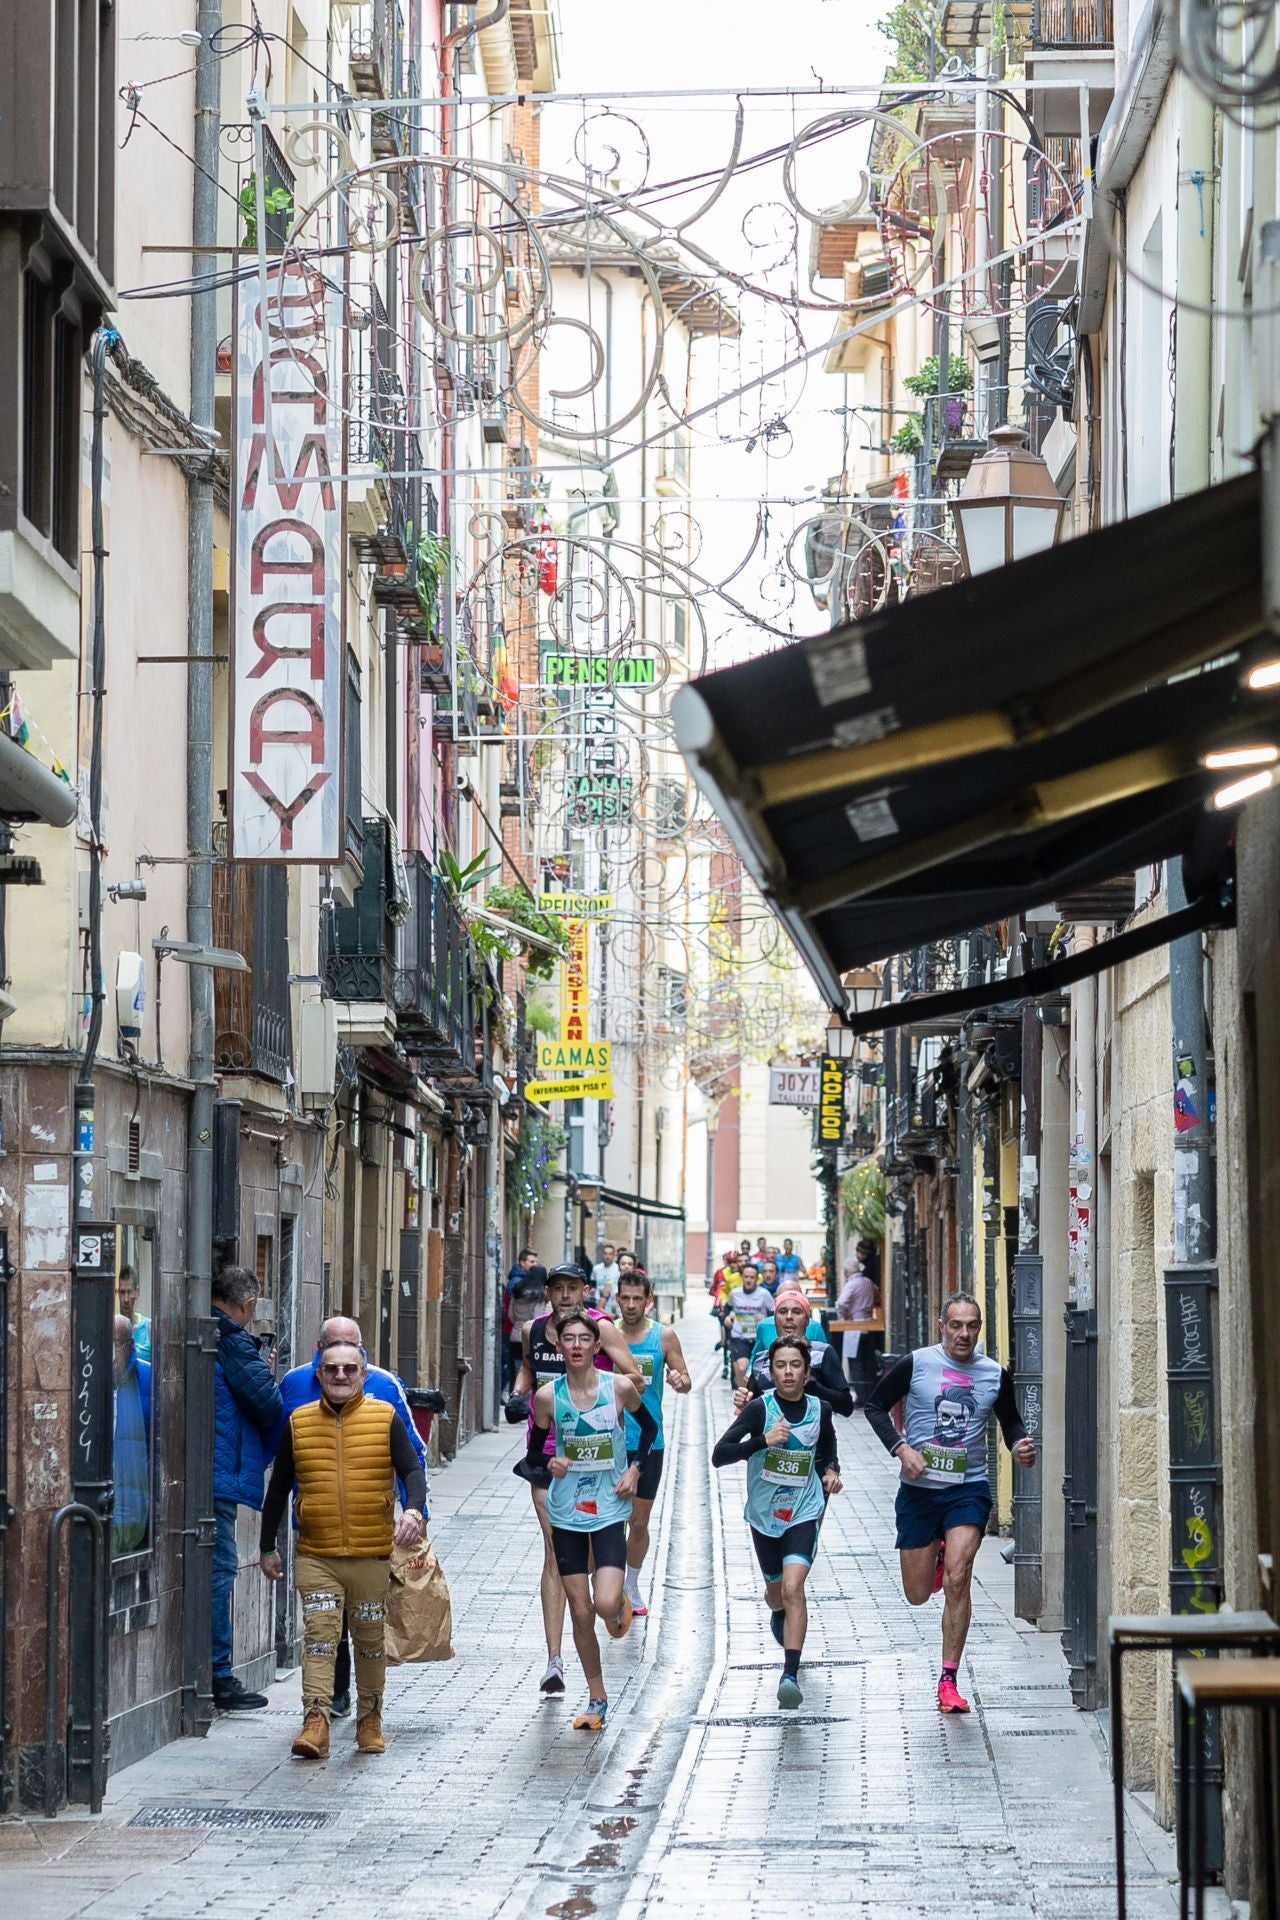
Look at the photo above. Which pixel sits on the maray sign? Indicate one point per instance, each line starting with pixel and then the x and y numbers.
pixel 287 667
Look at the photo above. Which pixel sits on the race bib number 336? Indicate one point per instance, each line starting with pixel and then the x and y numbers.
pixel 786 1466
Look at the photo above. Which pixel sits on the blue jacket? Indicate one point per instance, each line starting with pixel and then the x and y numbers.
pixel 301 1385
pixel 246 1416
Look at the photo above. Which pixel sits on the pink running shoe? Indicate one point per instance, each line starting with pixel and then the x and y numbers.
pixel 950 1698
pixel 940 1569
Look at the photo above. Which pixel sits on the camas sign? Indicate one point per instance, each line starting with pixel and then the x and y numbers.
pixel 286 724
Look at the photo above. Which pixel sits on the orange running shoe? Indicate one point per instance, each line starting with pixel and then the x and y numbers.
pixel 950 1698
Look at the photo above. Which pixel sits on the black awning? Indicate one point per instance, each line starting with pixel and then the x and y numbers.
pixel 981 750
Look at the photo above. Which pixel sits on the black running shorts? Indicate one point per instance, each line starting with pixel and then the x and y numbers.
pixel 650 1474
pixel 797 1543
pixel 573 1550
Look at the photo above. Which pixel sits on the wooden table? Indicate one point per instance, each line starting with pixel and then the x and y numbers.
pixel 1254 1684
pixel 875 1324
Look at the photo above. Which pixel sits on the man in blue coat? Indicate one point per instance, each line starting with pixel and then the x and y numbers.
pixel 247 1419
pixel 299 1387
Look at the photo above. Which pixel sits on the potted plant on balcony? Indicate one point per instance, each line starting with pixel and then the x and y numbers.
pixel 909 437
pixel 924 385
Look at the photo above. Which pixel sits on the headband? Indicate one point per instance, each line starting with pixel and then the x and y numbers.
pixel 790 1293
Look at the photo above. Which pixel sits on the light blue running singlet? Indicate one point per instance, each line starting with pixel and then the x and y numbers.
pixel 592 1441
pixel 784 1486
pixel 647 1354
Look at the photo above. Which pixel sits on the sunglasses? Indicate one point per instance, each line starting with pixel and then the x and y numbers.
pixel 341 1370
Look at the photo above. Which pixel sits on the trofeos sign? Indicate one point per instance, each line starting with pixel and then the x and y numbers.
pixel 287 668
pixel 794 1086
pixel 831 1101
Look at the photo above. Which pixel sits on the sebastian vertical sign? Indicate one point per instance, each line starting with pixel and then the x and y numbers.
pixel 287 668
pixel 574 984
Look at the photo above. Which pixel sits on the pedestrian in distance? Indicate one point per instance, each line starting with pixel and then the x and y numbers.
pixel 592 1486
pixel 526 1299
pixel 127 1292
pixel 948 1391
pixel 301 1386
pixel 247 1412
pixel 857 1300
pixel 791 1317
pixel 658 1354
pixel 543 1361
pixel 787 1439
pixel 788 1260
pixel 343 1453
pixel 745 1306
pixel 604 1279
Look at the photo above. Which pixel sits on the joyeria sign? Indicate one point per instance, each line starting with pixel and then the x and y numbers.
pixel 287 678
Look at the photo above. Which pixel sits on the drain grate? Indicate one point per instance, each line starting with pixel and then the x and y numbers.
pixel 771 1666
pixel 238 1819
pixel 778 1720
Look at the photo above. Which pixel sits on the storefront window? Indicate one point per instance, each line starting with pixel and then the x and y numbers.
pixel 131 1517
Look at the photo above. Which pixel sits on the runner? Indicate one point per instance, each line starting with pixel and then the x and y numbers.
pixel 745 1306
pixel 657 1353
pixel 949 1391
pixel 544 1361
pixel 788 1441
pixel 826 1376
pixel 580 1417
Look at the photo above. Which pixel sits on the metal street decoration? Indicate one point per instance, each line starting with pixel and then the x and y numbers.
pixel 287 669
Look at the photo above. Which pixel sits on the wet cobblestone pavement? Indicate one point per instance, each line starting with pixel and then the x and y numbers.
pixel 700 1798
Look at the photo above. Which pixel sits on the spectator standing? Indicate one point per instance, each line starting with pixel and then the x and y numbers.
pixel 604 1278
pixel 127 1295
pixel 247 1415
pixel 858 1300
pixel 131 1508
pixel 301 1387
pixel 341 1452
pixel 527 1296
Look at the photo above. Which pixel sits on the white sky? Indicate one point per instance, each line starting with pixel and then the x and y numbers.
pixel 606 47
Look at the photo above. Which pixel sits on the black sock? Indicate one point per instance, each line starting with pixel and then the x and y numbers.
pixel 791 1661
pixel 950 1671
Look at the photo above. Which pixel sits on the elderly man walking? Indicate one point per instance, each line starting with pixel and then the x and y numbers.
pixel 300 1386
pixel 343 1453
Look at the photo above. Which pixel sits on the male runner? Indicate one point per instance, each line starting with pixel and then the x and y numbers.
pixel 791 1321
pixel 544 1361
pixel 944 1501
pixel 745 1306
pixel 657 1353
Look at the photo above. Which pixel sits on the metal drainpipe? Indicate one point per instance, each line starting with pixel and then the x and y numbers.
pixel 197 1707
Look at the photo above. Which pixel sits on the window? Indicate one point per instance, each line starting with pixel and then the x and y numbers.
pixel 50 411
pixel 134 1363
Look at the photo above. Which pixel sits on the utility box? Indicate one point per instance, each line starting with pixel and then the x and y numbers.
pixel 317 1050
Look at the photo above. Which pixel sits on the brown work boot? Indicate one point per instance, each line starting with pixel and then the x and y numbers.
pixel 369 1733
pixel 313 1742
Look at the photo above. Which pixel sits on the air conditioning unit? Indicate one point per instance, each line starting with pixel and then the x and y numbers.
pixel 317 1050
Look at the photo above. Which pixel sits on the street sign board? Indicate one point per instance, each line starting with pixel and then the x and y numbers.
pixel 831 1101
pixel 596 1086
pixel 794 1086
pixel 591 1056
pixel 576 906
pixel 574 984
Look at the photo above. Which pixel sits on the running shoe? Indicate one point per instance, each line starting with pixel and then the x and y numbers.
pixel 638 1606
pixel 950 1698
pixel 789 1694
pixel 591 1719
pixel 777 1621
pixel 939 1572
pixel 552 1680
pixel 620 1625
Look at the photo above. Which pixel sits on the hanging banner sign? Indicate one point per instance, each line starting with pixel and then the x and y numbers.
pixel 598 1086
pixel 831 1101
pixel 794 1086
pixel 593 1056
pixel 286 649
pixel 576 906
pixel 573 984
pixel 579 670
pixel 598 799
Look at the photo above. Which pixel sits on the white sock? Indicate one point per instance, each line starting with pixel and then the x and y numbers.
pixel 632 1583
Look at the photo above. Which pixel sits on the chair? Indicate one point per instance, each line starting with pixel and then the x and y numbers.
pixel 1252 1684
pixel 1255 1633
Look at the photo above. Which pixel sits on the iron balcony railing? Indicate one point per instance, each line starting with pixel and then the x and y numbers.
pixel 1070 23
pixel 360 942
pixel 252 1019
pixel 437 982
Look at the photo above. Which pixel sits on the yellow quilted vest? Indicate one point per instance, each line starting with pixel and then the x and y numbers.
pixel 346 1489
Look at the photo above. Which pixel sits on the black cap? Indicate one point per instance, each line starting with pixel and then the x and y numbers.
pixel 567 1270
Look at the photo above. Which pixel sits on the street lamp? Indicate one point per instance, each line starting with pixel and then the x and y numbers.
pixel 841 1040
pixel 1008 507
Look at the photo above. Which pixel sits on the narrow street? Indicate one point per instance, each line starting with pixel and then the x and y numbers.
pixel 701 1797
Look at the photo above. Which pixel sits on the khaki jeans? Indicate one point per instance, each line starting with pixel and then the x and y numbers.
pixel 325 1588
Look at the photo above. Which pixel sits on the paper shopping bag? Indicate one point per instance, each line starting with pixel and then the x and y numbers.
pixel 419 1614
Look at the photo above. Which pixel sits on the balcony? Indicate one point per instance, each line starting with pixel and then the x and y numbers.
pixel 437 986
pixel 252 1016
pixel 360 949
pixel 1071 41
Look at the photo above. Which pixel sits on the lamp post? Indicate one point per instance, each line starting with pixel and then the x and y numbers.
pixel 1008 507
pixel 712 1119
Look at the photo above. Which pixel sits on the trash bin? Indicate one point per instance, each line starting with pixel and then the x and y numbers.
pixel 424 1404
